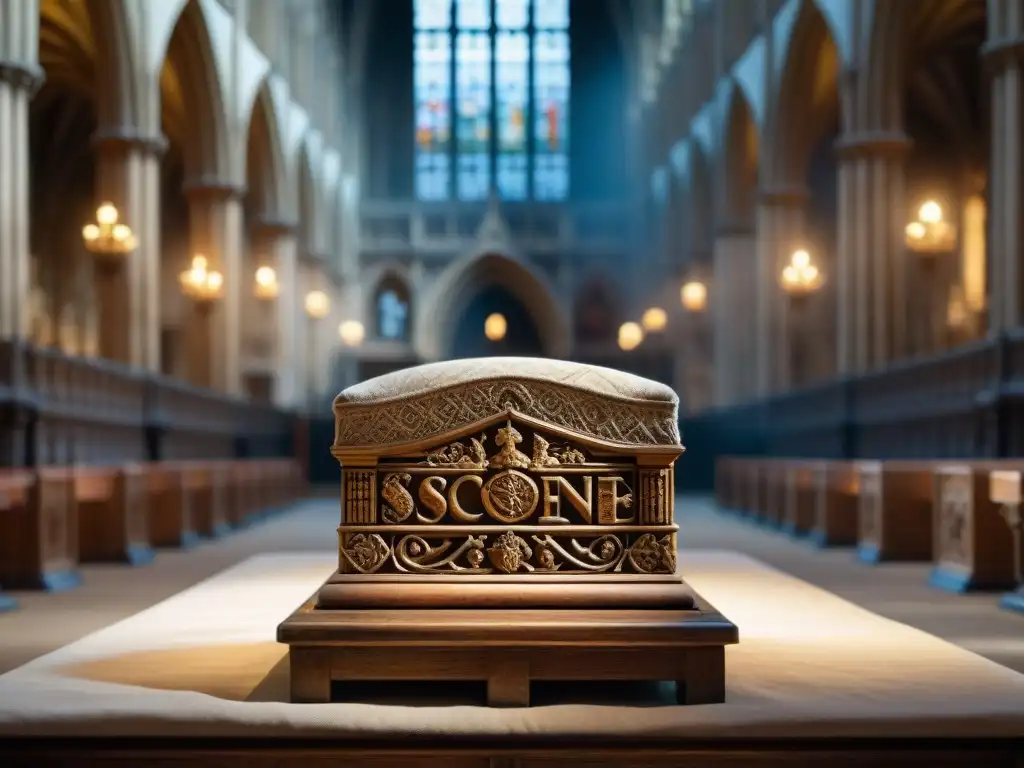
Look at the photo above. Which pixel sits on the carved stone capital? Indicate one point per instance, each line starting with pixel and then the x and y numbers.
pixel 314 257
pixel 1003 52
pixel 130 139
pixel 213 189
pixel 734 230
pixel 23 75
pixel 269 226
pixel 783 197
pixel 893 144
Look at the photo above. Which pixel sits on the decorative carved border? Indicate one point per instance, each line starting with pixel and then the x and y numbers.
pixel 448 409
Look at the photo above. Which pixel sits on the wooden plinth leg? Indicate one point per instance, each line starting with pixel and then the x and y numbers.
pixel 310 670
pixel 703 677
pixel 508 684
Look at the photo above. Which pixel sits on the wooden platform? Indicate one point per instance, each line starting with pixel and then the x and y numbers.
pixel 509 646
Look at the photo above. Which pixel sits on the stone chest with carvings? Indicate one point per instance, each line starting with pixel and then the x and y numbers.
pixel 509 520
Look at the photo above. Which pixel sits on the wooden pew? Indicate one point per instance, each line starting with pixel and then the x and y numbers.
pixel 726 469
pixel 895 510
pixel 835 512
pixel 38 529
pixel 973 548
pixel 171 507
pixel 1005 490
pixel 113 517
pixel 9 496
pixel 739 478
pixel 801 504
pixel 206 485
pixel 773 476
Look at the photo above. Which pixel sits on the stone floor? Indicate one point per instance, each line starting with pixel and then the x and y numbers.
pixel 109 593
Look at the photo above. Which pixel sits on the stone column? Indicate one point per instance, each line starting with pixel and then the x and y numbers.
pixel 20 78
pixel 128 175
pixel 276 242
pixel 780 226
pixel 732 308
pixel 215 216
pixel 1004 52
pixel 871 264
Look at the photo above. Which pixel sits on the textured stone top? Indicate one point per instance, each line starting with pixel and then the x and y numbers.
pixel 428 400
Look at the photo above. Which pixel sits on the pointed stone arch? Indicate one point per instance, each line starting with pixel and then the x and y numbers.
pixel 456 285
pixel 118 82
pixel 267 189
pixel 807 98
pixel 739 159
pixel 194 113
pixel 674 215
pixel 699 213
pixel 308 202
pixel 878 101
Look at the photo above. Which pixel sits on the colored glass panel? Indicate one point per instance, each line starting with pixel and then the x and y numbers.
pixel 512 75
pixel 473 113
pixel 511 14
pixel 473 14
pixel 551 115
pixel 551 14
pixel 432 88
pixel 432 14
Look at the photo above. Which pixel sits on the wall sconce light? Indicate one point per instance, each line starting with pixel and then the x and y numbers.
pixel 318 305
pixel 630 336
pixel 800 277
pixel 930 233
pixel 351 333
pixel 200 283
pixel 107 237
pixel 266 287
pixel 694 296
pixel 495 326
pixel 654 319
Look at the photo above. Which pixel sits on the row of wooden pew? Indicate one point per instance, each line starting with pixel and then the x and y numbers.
pixel 963 516
pixel 54 518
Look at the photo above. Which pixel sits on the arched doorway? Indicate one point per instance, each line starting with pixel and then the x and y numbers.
pixel 522 337
pixel 450 322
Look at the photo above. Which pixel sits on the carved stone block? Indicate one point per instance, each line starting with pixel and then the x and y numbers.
pixel 528 485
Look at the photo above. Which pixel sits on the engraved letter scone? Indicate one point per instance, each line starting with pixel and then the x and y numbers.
pixel 540 487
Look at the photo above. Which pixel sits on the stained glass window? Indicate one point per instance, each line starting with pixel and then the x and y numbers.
pixel 551 14
pixel 512 14
pixel 433 113
pixel 473 94
pixel 512 75
pixel 392 314
pixel 551 113
pixel 473 14
pixel 492 99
